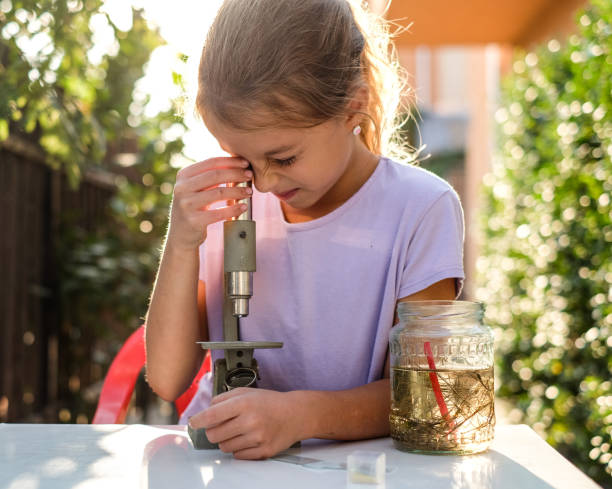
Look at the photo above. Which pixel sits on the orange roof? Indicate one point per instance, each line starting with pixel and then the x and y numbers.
pixel 517 22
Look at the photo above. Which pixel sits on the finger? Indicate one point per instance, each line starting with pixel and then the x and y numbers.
pixel 222 214
pixel 261 449
pixel 253 453
pixel 201 200
pixel 206 419
pixel 223 432
pixel 215 415
pixel 210 179
pixel 230 394
pixel 218 162
pixel 239 444
pixel 213 178
pixel 204 218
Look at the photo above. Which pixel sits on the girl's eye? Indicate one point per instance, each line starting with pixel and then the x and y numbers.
pixel 285 162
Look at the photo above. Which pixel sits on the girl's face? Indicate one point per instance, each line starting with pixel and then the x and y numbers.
pixel 306 168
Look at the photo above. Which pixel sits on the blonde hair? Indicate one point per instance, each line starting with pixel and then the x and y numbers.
pixel 299 63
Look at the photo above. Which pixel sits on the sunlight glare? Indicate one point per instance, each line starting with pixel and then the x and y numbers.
pixel 183 24
pixel 120 13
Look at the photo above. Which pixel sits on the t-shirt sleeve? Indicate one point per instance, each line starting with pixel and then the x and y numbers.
pixel 435 251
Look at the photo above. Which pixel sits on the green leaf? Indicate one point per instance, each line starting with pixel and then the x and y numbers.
pixel 546 261
pixel 4 129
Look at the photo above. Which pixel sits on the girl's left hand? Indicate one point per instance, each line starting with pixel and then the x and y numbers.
pixel 250 423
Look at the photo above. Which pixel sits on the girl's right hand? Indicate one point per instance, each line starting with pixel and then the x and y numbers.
pixel 197 188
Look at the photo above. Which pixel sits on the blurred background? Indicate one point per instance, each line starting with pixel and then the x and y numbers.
pixel 513 101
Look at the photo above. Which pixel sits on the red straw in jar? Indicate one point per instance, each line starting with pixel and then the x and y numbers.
pixel 433 377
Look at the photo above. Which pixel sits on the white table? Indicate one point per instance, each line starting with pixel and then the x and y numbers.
pixel 137 456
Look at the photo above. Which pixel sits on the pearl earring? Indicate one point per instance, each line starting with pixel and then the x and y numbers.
pixel 357 130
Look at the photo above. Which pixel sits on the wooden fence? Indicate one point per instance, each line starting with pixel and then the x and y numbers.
pixel 33 199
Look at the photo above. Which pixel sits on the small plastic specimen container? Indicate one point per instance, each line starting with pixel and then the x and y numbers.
pixel 365 468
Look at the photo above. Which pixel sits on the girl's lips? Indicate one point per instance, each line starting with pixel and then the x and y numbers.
pixel 287 195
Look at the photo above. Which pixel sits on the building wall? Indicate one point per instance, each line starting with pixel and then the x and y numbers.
pixel 464 80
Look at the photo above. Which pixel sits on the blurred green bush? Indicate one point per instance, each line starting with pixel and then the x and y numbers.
pixel 75 98
pixel 546 266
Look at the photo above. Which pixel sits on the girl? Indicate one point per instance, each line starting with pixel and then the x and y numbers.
pixel 302 93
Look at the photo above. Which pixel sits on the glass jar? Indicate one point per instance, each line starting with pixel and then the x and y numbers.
pixel 442 398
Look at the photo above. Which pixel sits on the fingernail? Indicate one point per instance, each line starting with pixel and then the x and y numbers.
pixel 248 190
pixel 243 207
pixel 244 163
pixel 248 173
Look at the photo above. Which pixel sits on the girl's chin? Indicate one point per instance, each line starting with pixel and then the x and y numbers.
pixel 302 205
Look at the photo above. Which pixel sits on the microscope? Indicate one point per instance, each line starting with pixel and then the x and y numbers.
pixel 238 368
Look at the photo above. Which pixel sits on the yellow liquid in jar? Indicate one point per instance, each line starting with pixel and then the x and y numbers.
pixel 417 423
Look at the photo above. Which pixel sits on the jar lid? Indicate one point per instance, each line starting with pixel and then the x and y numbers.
pixel 438 309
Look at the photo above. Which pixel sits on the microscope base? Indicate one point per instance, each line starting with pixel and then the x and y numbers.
pixel 199 439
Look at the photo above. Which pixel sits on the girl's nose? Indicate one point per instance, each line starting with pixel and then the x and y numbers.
pixel 265 180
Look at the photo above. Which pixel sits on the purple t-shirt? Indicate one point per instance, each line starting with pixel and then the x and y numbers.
pixel 328 288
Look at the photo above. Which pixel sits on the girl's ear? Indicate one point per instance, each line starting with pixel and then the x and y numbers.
pixel 357 107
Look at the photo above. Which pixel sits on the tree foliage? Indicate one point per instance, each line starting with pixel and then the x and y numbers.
pixel 546 265
pixel 78 103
